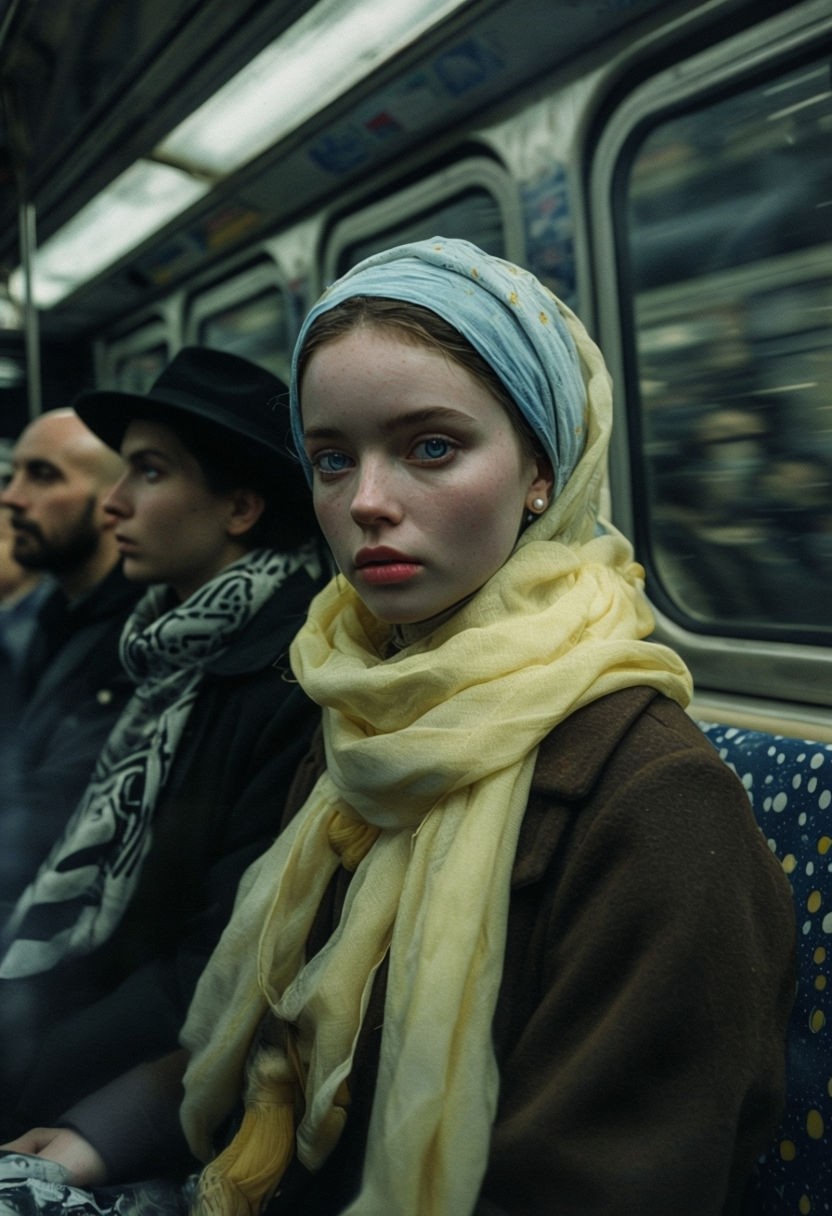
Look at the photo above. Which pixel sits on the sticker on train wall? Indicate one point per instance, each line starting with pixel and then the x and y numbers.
pixel 466 66
pixel 341 149
pixel 385 116
pixel 407 106
pixel 186 249
pixel 382 125
pixel 550 231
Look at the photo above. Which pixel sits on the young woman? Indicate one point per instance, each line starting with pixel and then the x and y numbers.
pixel 520 947
pixel 102 952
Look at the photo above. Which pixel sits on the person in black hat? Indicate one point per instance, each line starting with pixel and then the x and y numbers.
pixel 100 956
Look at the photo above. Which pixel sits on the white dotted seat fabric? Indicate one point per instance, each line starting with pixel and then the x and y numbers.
pixel 789 784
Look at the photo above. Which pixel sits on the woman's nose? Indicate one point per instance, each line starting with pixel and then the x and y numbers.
pixel 115 502
pixel 375 498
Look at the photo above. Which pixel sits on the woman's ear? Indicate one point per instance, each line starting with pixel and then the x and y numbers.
pixel 246 507
pixel 540 489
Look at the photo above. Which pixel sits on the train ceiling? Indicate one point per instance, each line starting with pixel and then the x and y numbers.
pixel 88 87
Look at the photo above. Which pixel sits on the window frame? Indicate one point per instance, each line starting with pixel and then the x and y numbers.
pixel 153 331
pixel 239 287
pixel 726 667
pixel 430 193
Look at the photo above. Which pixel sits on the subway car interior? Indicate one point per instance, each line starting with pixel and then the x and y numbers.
pixel 190 171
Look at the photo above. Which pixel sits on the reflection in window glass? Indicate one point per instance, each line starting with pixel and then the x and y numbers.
pixel 473 216
pixel 136 371
pixel 256 329
pixel 729 214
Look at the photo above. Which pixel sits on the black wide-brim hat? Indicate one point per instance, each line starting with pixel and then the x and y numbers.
pixel 243 400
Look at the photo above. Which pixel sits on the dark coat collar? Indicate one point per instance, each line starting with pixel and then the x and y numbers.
pixel 110 596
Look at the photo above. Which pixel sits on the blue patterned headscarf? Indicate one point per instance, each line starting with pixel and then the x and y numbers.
pixel 507 315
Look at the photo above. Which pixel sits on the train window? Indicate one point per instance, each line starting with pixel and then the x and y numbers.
pixel 249 313
pixel 136 370
pixel 727 218
pixel 257 328
pixel 473 215
pixel 130 361
pixel 473 200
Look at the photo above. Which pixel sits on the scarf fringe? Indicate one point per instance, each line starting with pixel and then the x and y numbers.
pixel 239 1180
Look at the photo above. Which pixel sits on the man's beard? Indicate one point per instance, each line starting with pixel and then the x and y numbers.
pixel 59 557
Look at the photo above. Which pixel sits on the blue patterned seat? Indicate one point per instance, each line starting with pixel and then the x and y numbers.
pixel 789 784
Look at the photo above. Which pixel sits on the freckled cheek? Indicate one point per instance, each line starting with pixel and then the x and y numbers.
pixel 482 526
pixel 481 534
pixel 333 513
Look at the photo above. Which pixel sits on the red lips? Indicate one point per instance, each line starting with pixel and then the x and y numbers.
pixel 383 566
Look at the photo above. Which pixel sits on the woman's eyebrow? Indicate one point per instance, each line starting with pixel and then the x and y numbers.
pixel 431 415
pixel 143 453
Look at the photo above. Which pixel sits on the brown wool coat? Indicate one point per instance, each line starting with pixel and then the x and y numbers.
pixel 648 978
pixel 641 1018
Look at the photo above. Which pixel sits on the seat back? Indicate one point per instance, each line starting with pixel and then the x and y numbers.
pixel 789 784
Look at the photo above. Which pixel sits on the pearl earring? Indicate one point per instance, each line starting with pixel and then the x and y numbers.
pixel 538 504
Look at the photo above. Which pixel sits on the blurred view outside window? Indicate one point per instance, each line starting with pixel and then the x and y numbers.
pixel 729 216
pixel 256 329
pixel 136 370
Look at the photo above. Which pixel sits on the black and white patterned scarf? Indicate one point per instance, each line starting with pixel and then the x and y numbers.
pixel 33 1197
pixel 82 889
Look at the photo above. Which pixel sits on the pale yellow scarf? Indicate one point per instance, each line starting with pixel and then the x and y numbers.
pixel 436 746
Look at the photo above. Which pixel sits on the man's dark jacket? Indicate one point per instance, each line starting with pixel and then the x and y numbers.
pixel 71 691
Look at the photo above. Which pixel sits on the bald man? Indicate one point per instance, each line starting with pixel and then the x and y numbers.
pixel 72 685
pixel 60 474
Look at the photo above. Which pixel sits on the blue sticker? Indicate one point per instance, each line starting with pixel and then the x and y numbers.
pixel 466 66
pixel 341 150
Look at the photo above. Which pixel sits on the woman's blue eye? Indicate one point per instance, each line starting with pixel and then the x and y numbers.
pixel 331 462
pixel 433 448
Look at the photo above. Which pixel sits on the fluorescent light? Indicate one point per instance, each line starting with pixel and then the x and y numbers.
pixel 322 55
pixel 134 206
pixel 329 49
